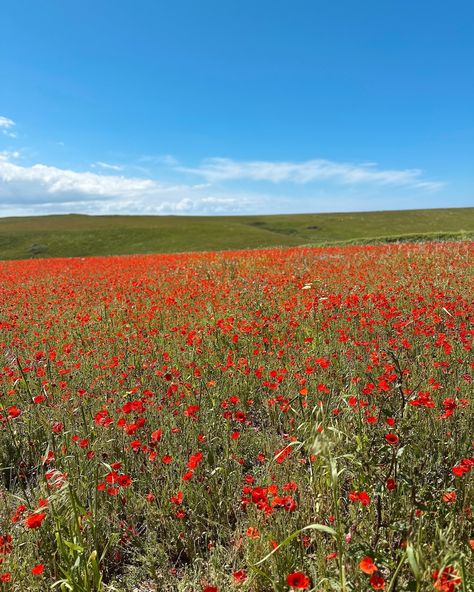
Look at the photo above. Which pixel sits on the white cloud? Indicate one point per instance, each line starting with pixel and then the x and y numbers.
pixel 107 166
pixel 6 125
pixel 5 122
pixel 225 169
pixel 55 181
pixel 42 189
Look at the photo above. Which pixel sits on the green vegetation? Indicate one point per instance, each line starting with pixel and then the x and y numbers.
pixel 79 235
pixel 276 421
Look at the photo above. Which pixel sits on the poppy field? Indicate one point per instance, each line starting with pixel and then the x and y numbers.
pixel 271 420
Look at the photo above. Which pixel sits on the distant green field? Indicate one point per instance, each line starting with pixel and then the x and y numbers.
pixel 79 235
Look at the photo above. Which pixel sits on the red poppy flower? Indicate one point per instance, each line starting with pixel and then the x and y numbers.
pixel 392 439
pixel 360 496
pixel 37 570
pixel 449 497
pixel 177 499
pixel 298 580
pixel 156 435
pixel 124 480
pixel 194 460
pixel 13 412
pixel 377 582
pixel 459 471
pixel 6 546
pixel 34 520
pixel 446 580
pixel 240 575
pixel 252 532
pixel 367 565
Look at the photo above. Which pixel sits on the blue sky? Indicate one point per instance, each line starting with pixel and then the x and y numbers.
pixel 235 106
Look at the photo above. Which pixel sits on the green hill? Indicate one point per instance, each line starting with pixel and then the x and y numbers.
pixel 79 235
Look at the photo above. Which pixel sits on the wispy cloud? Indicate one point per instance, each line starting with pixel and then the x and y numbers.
pixel 161 159
pixel 6 155
pixel 309 171
pixel 105 165
pixel 6 126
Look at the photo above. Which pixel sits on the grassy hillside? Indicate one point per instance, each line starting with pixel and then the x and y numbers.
pixel 80 235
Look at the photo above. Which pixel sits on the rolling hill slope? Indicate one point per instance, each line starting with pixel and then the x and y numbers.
pixel 80 235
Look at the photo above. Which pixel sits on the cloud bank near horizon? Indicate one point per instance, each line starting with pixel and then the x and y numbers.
pixel 215 186
pixel 46 189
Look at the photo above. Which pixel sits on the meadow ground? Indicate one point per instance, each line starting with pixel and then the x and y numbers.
pixel 79 236
pixel 273 420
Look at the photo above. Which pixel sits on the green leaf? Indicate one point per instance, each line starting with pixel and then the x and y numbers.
pixel 319 527
pixel 412 560
pixel 74 546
